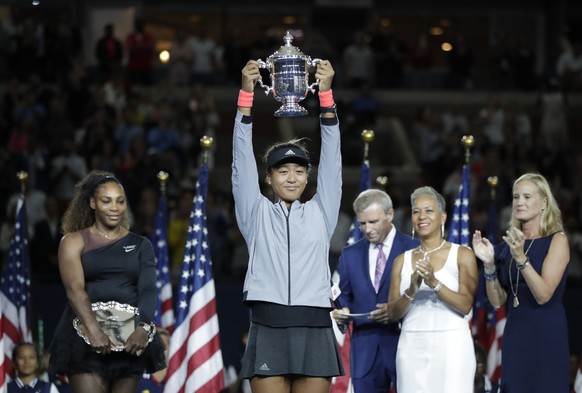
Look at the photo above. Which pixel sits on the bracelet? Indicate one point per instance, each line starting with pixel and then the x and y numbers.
pixel 245 99
pixel 408 296
pixel 438 287
pixel 490 273
pixel 523 265
pixel 490 277
pixel 326 99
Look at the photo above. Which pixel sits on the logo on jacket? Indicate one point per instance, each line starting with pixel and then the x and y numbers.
pixel 129 248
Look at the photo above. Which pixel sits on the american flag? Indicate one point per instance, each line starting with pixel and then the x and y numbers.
pixel 164 316
pixel 459 228
pixel 14 296
pixel 491 333
pixel 196 363
pixel 365 183
pixel 343 384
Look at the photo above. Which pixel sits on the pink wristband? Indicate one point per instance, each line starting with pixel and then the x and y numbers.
pixel 326 99
pixel 245 100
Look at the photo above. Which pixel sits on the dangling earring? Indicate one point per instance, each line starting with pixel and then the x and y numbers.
pixel 413 233
pixel 443 230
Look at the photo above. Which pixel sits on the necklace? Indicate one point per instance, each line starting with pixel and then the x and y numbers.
pixel 107 236
pixel 425 253
pixel 515 299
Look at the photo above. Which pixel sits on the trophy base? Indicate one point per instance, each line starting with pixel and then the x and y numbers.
pixel 291 111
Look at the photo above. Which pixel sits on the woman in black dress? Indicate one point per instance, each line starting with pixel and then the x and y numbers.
pixel 101 262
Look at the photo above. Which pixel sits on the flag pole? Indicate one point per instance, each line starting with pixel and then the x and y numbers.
pixel 367 137
pixel 206 142
pixel 22 176
pixel 163 179
pixel 467 141
pixel 493 181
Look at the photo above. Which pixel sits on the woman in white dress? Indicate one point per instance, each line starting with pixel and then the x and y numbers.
pixel 432 289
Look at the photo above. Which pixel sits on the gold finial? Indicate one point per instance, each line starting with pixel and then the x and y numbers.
pixel 493 181
pixel 367 137
pixel 206 142
pixel 468 141
pixel 382 181
pixel 163 178
pixel 22 176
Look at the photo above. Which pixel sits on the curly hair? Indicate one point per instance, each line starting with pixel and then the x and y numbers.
pixel 551 217
pixel 79 214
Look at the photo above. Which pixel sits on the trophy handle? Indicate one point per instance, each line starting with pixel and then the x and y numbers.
pixel 312 87
pixel 267 89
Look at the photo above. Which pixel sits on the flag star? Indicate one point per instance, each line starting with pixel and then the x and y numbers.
pixel 203 258
pixel 201 273
pixel 184 289
pixel 198 213
pixel 196 227
pixel 183 304
pixel 185 274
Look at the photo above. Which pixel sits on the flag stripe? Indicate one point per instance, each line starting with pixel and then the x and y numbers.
pixel 14 295
pixel 195 357
pixel 164 316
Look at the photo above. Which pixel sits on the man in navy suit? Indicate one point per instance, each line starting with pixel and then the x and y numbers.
pixel 364 289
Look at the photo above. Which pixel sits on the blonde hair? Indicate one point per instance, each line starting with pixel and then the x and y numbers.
pixel 551 216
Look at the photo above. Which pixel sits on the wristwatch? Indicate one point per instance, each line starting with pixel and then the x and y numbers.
pixel 150 329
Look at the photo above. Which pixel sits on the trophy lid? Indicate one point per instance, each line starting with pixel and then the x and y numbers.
pixel 288 50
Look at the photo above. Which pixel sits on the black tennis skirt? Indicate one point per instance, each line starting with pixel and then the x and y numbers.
pixel 306 351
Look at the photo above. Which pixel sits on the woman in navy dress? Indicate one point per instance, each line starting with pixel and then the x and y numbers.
pixel 527 274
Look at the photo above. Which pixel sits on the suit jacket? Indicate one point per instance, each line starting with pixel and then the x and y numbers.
pixel 359 295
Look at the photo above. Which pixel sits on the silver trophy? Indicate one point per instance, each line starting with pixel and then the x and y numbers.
pixel 289 69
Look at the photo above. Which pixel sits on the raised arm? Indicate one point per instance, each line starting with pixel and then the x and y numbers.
pixel 462 300
pixel 398 304
pixel 329 172
pixel 73 278
pixel 485 252
pixel 543 285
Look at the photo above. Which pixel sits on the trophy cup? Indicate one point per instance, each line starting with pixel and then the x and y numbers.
pixel 289 69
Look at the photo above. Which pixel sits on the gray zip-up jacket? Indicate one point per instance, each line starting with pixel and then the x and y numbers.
pixel 288 249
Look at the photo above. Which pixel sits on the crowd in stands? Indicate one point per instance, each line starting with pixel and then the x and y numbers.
pixel 61 117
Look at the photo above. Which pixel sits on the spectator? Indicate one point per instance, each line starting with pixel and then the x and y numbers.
pixel 204 62
pixel 358 62
pixel 25 358
pixel 569 67
pixel 44 246
pixel 67 169
pixel 181 56
pixel 524 71
pixel 140 47
pixel 460 60
pixel 553 104
pixel 109 53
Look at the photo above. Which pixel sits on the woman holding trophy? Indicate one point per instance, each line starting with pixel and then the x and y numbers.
pixel 105 339
pixel 291 345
